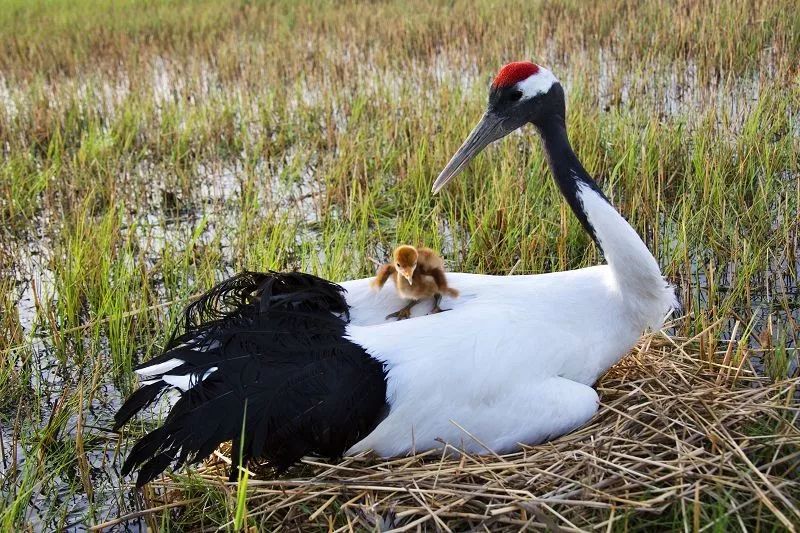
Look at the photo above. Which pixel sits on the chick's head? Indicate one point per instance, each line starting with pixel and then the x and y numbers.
pixel 405 261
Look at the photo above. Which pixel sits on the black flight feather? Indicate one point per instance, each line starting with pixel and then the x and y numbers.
pixel 284 369
pixel 137 401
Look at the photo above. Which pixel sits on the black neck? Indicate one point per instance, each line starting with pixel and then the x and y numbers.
pixel 567 169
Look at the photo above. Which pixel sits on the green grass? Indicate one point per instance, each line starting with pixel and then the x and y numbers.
pixel 153 148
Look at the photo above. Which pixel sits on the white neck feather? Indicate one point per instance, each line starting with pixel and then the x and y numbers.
pixel 635 270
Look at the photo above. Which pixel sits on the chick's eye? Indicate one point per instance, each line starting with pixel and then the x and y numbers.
pixel 516 95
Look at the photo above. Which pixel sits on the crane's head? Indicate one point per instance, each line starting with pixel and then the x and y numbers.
pixel 521 93
pixel 405 261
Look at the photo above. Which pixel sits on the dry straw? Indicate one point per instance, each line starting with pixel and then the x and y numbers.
pixel 706 441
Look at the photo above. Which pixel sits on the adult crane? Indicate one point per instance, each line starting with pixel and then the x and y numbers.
pixel 289 364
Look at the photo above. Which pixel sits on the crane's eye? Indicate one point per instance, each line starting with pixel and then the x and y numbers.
pixel 516 95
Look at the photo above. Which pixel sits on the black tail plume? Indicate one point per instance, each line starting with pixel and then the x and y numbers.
pixel 267 350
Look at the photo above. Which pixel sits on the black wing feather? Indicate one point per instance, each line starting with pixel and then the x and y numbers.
pixel 283 368
pixel 137 401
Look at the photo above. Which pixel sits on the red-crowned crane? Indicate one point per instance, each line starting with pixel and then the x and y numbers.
pixel 297 365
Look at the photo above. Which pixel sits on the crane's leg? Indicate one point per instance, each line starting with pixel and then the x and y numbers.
pixel 437 299
pixel 403 313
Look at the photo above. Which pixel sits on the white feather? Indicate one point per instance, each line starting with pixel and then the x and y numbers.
pixel 187 381
pixel 160 368
pixel 538 83
pixel 183 382
pixel 647 294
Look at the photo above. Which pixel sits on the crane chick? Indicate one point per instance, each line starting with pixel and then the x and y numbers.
pixel 418 273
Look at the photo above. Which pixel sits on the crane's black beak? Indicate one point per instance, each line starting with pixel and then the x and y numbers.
pixel 489 129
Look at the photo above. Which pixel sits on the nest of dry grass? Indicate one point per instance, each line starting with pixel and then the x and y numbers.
pixel 680 440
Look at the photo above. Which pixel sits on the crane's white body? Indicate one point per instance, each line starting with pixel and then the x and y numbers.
pixel 514 359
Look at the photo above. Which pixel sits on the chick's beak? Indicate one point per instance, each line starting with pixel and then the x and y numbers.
pixel 408 273
pixel 488 130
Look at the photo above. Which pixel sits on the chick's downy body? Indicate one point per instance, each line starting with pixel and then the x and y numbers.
pixel 418 273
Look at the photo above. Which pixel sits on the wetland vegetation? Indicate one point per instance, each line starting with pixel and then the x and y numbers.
pixel 150 149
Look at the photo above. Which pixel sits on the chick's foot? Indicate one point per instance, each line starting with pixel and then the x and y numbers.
pixel 437 299
pixel 403 313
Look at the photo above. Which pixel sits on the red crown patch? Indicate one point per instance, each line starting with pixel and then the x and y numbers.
pixel 514 72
